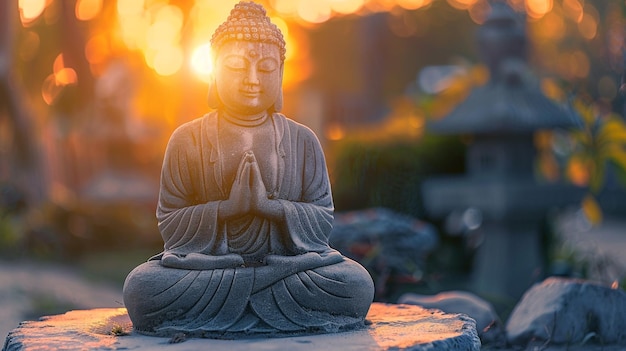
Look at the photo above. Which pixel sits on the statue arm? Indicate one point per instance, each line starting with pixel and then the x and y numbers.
pixel 186 225
pixel 309 220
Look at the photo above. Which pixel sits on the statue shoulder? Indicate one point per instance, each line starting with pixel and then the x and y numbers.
pixel 304 132
pixel 189 133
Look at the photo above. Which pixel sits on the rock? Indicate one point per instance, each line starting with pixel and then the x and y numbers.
pixel 488 323
pixel 391 327
pixel 567 311
pixel 379 237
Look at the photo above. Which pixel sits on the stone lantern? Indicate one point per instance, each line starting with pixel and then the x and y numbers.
pixel 501 119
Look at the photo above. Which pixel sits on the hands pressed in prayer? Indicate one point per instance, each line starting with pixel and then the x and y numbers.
pixel 248 194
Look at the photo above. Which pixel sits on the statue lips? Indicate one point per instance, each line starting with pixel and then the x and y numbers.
pixel 250 93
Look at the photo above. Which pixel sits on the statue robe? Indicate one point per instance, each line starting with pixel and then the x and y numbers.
pixel 304 285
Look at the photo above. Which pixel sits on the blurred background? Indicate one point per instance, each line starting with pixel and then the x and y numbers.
pixel 92 89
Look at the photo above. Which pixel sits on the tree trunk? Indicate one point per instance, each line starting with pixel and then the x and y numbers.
pixel 26 169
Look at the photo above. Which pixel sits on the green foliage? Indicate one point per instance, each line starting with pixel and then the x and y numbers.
pixel 601 141
pixel 390 173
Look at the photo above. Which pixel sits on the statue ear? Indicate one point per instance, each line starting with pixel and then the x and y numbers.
pixel 214 99
pixel 278 104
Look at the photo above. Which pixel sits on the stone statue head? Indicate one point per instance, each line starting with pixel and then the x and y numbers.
pixel 248 57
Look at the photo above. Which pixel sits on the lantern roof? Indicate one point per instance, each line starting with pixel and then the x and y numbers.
pixel 512 102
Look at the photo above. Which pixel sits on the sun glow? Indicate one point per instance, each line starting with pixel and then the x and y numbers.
pixel 155 30
pixel 155 27
pixel 202 63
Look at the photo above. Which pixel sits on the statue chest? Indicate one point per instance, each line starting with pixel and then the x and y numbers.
pixel 235 140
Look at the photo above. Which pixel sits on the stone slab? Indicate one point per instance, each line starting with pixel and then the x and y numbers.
pixel 488 324
pixel 390 327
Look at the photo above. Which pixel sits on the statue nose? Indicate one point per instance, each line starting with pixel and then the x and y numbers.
pixel 251 77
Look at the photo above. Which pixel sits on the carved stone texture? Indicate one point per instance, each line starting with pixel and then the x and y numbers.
pixel 391 327
pixel 245 211
pixel 567 311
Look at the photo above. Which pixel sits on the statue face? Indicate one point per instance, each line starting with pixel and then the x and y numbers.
pixel 248 77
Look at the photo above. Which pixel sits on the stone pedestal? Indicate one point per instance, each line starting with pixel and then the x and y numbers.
pixel 390 327
pixel 510 260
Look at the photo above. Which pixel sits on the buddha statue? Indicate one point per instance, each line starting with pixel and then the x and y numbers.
pixel 245 210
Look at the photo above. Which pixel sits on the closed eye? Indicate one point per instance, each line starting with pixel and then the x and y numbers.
pixel 236 63
pixel 267 65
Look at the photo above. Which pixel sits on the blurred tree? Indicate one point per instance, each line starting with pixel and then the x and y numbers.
pixel 359 59
pixel 21 158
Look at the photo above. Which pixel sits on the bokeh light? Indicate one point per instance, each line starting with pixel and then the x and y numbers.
pixel 552 90
pixel 381 5
pixel 538 8
pixel 66 76
pixel 63 75
pixel 413 4
pixel 97 49
pixel 50 91
pixel 168 60
pixel 30 10
pixel 170 34
pixel 588 26
pixel 87 9
pixel 156 25
pixel 314 11
pixel 553 26
pixel 335 131
pixel 578 171
pixel 462 4
pixel 130 8
pixel 156 31
pixel 285 7
pixel 349 6
pixel 573 9
pixel 58 64
pixel 479 11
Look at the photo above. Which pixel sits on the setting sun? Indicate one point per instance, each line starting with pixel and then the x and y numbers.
pixel 201 62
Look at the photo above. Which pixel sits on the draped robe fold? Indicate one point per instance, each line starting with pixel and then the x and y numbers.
pixel 292 281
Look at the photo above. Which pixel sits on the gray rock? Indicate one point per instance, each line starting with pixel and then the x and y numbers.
pixel 401 242
pixel 567 311
pixel 391 327
pixel 488 323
